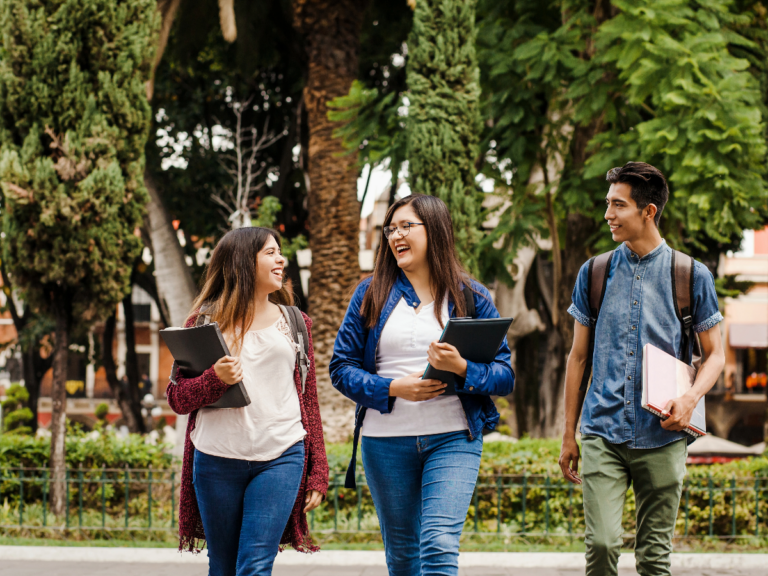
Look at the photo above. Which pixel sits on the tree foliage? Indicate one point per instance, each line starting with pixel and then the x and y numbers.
pixel 443 116
pixel 16 413
pixel 676 83
pixel 198 81
pixel 73 123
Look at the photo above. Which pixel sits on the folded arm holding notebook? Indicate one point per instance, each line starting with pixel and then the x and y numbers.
pixel 190 394
pixel 681 409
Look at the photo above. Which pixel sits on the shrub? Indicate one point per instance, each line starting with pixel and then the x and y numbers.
pixel 15 411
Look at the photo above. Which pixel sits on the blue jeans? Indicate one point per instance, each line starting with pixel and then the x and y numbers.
pixel 422 487
pixel 245 506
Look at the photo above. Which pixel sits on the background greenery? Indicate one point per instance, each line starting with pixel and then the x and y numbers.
pixel 349 516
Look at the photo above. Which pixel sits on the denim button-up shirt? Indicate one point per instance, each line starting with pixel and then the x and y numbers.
pixel 638 309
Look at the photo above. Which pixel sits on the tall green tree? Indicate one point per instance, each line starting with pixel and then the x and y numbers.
pixel 443 117
pixel 574 92
pixel 73 124
pixel 570 89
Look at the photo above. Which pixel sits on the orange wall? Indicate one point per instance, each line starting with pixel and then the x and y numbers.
pixel 761 241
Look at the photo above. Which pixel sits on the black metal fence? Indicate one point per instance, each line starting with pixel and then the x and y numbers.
pixel 510 505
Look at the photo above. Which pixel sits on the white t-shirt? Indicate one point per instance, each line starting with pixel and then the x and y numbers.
pixel 402 350
pixel 271 423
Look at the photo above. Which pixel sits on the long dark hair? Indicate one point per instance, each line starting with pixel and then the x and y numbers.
pixel 445 270
pixel 229 287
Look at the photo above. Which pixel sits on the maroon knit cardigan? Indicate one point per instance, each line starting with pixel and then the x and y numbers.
pixel 188 395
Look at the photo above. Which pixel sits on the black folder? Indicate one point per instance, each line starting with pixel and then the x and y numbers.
pixel 477 340
pixel 197 349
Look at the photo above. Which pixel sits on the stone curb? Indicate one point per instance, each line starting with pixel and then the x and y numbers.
pixel 366 558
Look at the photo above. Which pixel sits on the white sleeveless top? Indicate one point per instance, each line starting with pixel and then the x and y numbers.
pixel 271 423
pixel 402 350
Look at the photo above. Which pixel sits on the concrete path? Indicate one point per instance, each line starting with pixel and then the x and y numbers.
pixel 77 561
pixel 47 568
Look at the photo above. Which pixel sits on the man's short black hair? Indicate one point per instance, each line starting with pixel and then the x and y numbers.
pixel 647 183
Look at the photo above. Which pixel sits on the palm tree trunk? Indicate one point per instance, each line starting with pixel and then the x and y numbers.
pixel 174 280
pixel 332 34
pixel 58 463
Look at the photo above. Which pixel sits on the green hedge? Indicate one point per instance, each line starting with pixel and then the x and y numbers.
pixel 85 449
pixel 519 484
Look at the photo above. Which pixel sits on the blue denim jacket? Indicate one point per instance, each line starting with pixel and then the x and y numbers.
pixel 638 308
pixel 353 366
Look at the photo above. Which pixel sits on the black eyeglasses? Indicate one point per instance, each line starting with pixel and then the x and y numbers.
pixel 406 227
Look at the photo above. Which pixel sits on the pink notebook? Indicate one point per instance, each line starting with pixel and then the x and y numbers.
pixel 665 378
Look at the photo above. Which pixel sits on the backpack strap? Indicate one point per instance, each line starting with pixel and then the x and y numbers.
pixel 682 290
pixel 469 299
pixel 299 332
pixel 203 318
pixel 597 280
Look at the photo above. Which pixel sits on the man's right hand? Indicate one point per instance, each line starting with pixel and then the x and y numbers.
pixel 413 388
pixel 229 370
pixel 569 459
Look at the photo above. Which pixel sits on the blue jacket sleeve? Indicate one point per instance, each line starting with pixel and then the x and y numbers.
pixel 496 378
pixel 347 373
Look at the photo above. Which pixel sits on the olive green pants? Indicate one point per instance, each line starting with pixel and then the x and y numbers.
pixel 656 476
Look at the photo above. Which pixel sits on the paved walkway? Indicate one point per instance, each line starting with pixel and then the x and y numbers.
pixel 47 568
pixel 88 561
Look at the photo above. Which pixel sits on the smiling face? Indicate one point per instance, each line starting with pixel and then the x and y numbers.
pixel 269 267
pixel 626 220
pixel 410 251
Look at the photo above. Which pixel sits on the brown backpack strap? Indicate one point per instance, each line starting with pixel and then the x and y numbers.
pixel 597 280
pixel 682 289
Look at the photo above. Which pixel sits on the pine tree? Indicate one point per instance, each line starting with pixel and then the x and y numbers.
pixel 443 117
pixel 73 124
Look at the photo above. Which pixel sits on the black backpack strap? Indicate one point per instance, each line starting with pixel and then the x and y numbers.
pixel 682 290
pixel 350 480
pixel 469 299
pixel 301 337
pixel 597 280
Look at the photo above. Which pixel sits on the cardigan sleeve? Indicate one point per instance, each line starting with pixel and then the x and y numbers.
pixel 188 394
pixel 317 475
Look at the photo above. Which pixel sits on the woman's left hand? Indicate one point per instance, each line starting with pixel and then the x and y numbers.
pixel 447 358
pixel 312 500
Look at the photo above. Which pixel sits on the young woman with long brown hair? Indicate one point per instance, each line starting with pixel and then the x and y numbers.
pixel 250 474
pixel 421 450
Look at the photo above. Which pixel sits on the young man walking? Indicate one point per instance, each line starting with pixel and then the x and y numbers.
pixel 622 443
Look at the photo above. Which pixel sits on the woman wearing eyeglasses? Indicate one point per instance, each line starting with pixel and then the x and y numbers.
pixel 421 450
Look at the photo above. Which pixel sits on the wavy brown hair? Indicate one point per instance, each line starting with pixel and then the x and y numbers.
pixel 229 287
pixel 445 270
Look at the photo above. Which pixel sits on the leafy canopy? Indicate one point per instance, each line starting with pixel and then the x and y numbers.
pixel 73 123
pixel 675 83
pixel 443 117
